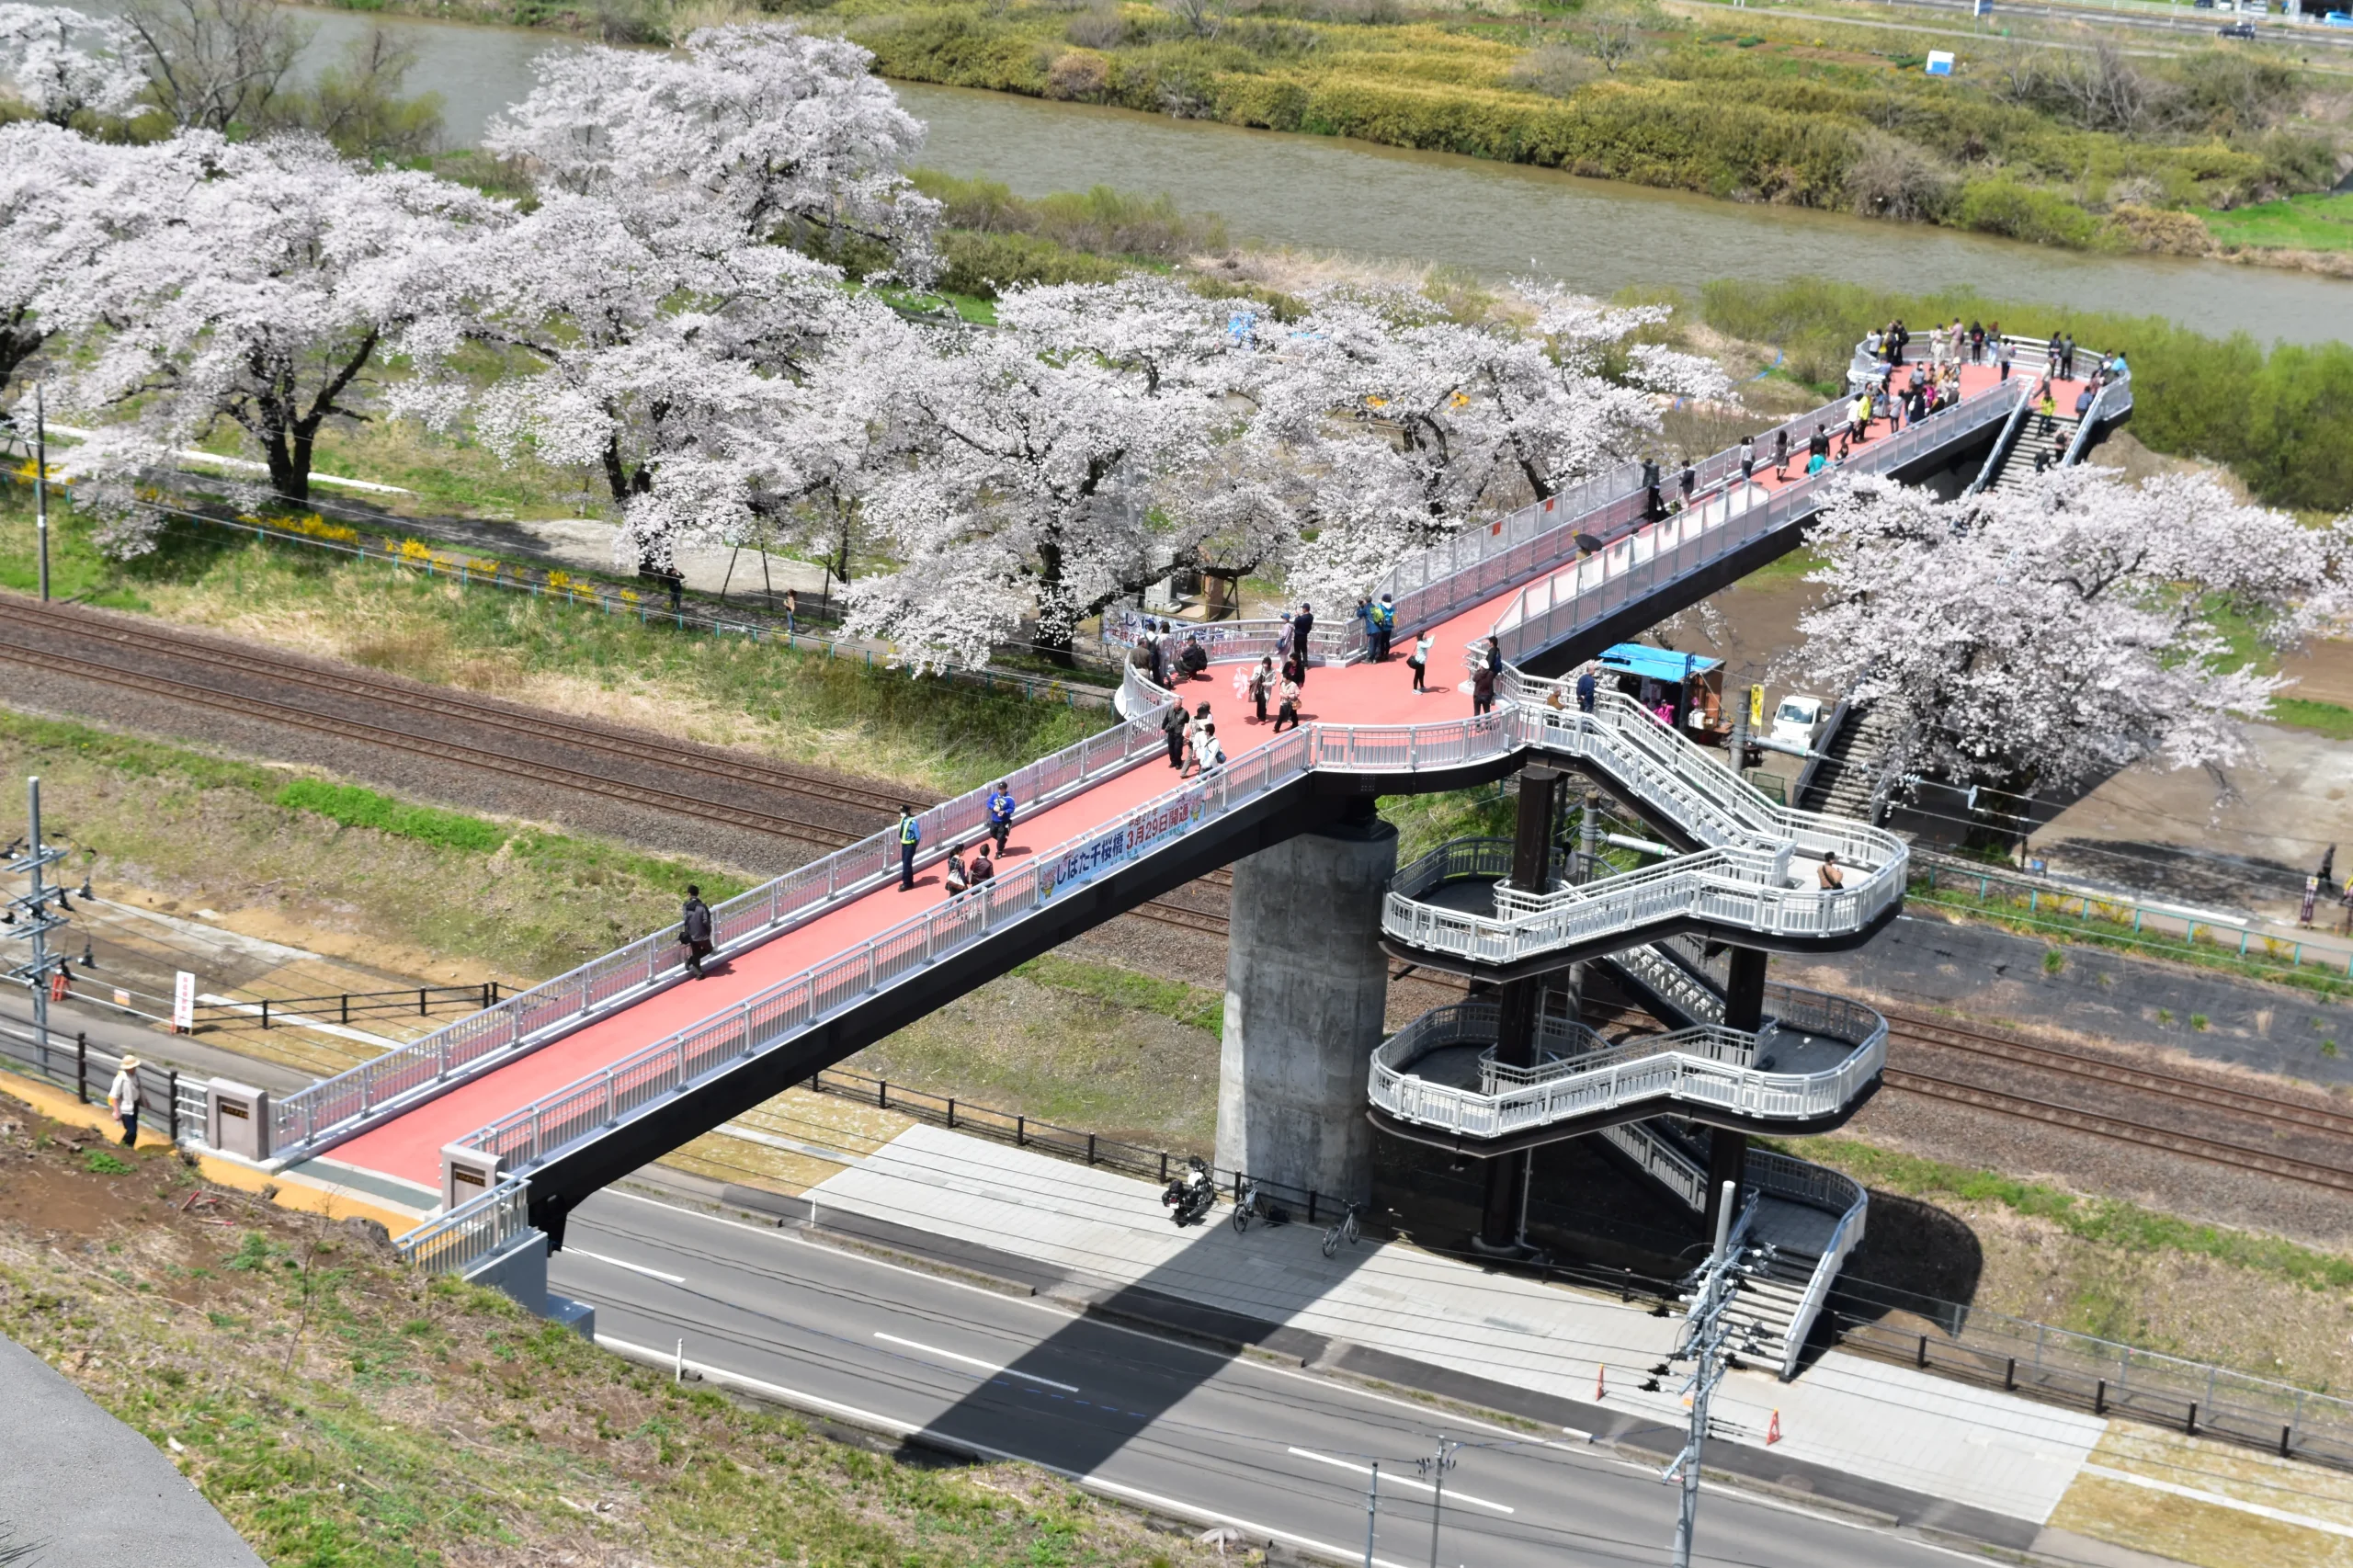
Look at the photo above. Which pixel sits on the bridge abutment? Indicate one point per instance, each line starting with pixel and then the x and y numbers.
pixel 1306 989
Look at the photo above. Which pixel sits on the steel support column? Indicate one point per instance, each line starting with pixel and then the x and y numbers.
pixel 1503 1222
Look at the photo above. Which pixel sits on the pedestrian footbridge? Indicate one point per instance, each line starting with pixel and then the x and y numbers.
pixel 539 1101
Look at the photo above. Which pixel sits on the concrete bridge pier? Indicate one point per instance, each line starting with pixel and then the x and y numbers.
pixel 1306 989
pixel 1744 1009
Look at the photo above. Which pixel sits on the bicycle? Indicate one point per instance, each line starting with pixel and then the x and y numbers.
pixel 1247 1205
pixel 1344 1228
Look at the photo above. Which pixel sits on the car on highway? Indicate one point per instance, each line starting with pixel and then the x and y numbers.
pixel 2237 29
pixel 2338 19
pixel 1799 719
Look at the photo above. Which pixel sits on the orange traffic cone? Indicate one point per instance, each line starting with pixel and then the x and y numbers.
pixel 1773 1431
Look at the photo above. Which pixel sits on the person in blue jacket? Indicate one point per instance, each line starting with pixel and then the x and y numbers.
pixel 1000 814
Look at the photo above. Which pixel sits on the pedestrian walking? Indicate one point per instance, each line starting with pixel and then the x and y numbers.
pixel 1831 878
pixel 1172 730
pixel 2002 360
pixel 957 881
pixel 1651 506
pixel 1420 660
pixel 910 837
pixel 1262 681
pixel 1482 691
pixel 1976 343
pixel 122 1100
pixel 791 608
pixel 2047 406
pixel 694 930
pixel 2068 356
pixel 1747 457
pixel 1588 689
pixel 1287 712
pixel 1303 626
pixel 983 869
pixel 1781 452
pixel 1001 805
pixel 1686 482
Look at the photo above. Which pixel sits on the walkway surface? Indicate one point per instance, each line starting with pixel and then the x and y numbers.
pixel 1866 1418
pixel 408 1147
pixel 79 1489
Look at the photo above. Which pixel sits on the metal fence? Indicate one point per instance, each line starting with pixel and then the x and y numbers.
pixel 167 1104
pixel 2099 1375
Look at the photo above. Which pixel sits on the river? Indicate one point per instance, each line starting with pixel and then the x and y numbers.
pixel 1325 193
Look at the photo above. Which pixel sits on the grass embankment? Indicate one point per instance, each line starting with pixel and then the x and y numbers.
pixel 2116 1269
pixel 341 1408
pixel 2279 418
pixel 728 691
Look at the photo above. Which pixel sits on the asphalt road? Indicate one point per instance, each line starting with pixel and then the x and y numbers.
pixel 1283 1454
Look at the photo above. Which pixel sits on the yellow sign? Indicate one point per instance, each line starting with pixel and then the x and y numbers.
pixel 1756 706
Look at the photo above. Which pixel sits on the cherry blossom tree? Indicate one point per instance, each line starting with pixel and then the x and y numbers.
pixel 761 129
pixel 2053 633
pixel 64 199
pixel 266 286
pixel 1449 422
pixel 62 63
pixel 1039 447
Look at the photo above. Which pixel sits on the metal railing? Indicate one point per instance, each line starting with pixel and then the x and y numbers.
pixel 337 1107
pixel 1705 1066
pixel 1662 1161
pixel 1817 1186
pixel 1228 641
pixel 168 1105
pixel 1651 557
pixel 2002 442
pixel 472 1232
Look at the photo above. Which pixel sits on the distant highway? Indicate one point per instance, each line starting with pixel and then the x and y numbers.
pixel 1191 1433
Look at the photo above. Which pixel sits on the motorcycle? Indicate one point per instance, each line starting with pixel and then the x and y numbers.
pixel 1191 1196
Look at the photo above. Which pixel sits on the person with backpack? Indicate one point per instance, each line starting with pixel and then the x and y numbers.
pixel 983 869
pixel 1000 813
pixel 1384 626
pixel 694 930
pixel 910 838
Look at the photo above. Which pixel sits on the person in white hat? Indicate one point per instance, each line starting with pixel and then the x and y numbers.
pixel 122 1100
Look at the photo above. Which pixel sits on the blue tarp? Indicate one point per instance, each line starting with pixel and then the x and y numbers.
pixel 1658 663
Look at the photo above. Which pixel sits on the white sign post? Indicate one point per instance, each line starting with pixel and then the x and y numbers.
pixel 184 1003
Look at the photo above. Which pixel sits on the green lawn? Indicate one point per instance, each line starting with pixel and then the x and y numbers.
pixel 2298 223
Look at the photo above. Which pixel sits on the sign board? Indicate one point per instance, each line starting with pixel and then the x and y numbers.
pixel 1939 63
pixel 1755 708
pixel 184 1003
pixel 1980 8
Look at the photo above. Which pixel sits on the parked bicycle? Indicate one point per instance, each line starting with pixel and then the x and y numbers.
pixel 1251 1202
pixel 1345 1229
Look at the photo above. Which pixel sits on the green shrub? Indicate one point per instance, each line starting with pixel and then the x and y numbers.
pixel 356 807
pixel 2024 213
pixel 984 265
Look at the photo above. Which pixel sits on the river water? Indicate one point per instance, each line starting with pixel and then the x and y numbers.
pixel 1323 193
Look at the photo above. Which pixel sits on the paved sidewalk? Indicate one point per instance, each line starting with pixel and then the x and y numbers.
pixel 1886 1423
pixel 80 1489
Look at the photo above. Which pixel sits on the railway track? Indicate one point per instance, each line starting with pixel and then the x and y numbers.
pixel 780 777
pixel 2118 1129
pixel 2144 1080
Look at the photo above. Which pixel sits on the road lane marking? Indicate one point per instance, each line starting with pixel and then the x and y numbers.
pixel 632 1268
pixel 1400 1481
pixel 1175 1506
pixel 974 1361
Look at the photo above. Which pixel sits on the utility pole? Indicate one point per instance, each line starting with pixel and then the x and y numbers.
pixel 1372 1512
pixel 41 494
pixel 1707 1345
pixel 1435 1467
pixel 28 916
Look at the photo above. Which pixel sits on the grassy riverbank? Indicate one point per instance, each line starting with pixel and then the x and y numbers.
pixel 2051 145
